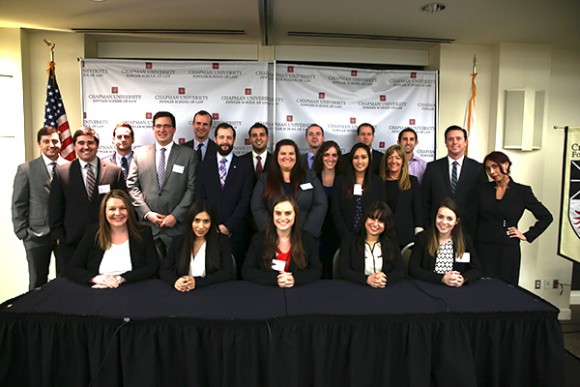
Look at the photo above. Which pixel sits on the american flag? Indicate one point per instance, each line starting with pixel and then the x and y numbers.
pixel 55 115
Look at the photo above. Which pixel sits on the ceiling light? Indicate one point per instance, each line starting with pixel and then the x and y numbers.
pixel 433 7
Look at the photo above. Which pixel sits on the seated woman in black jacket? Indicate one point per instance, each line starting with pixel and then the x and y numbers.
pixel 372 257
pixel 117 250
pixel 201 256
pixel 443 254
pixel 282 254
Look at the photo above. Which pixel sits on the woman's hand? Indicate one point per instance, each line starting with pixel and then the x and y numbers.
pixel 185 283
pixel 453 279
pixel 103 281
pixel 285 280
pixel 513 232
pixel 377 280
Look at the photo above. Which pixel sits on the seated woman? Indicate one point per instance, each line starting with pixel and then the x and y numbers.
pixel 443 253
pixel 373 257
pixel 282 254
pixel 117 250
pixel 201 256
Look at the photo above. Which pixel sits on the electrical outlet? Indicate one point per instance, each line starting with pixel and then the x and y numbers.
pixel 556 284
pixel 538 284
pixel 547 284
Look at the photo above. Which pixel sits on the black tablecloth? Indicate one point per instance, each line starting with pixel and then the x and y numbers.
pixel 328 333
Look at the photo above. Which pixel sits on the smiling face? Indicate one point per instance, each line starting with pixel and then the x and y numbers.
pixel 360 160
pixel 408 141
pixel 201 224
pixel 330 158
pixel 286 158
pixel 314 138
pixel 456 143
pixel 116 213
pixel 394 164
pixel 283 216
pixel 366 135
pixel 86 148
pixel 163 130
pixel 224 139
pixel 374 228
pixel 445 221
pixel 258 140
pixel 50 145
pixel 201 127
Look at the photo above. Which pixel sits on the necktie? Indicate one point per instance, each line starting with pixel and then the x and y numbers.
pixel 311 162
pixel 161 167
pixel 198 153
pixel 90 181
pixel 259 166
pixel 124 167
pixel 454 177
pixel 52 170
pixel 223 171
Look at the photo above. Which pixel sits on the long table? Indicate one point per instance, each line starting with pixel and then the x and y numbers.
pixel 328 333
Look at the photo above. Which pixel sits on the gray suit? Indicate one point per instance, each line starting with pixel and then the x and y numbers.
pixel 30 217
pixel 176 193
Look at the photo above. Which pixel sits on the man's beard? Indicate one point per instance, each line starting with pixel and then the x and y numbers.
pixel 225 152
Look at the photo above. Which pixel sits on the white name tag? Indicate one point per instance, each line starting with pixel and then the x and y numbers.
pixel 103 189
pixel 357 190
pixel 306 186
pixel 465 258
pixel 278 265
pixel 178 168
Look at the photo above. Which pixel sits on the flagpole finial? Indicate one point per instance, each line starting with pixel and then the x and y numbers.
pixel 51 48
pixel 474 64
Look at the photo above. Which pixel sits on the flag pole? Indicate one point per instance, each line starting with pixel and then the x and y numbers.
pixel 51 48
pixel 470 111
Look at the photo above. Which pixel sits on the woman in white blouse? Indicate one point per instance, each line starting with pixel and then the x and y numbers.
pixel 202 256
pixel 117 250
pixel 443 254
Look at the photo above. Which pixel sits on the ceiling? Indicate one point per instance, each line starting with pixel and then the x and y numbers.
pixel 364 23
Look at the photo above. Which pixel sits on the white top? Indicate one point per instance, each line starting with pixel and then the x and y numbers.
pixel 373 258
pixel 263 155
pixel 197 263
pixel 116 259
pixel 167 152
pixel 459 165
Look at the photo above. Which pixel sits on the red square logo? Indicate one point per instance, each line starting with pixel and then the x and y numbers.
pixel 381 144
pixel 353 73
pixel 215 66
pixel 215 116
pixel 84 115
pixel 248 91
pixel 115 90
pixel 181 141
pixel 411 121
pixel 413 75
pixel 290 69
pixel 148 65
pixel 148 115
pixel 247 141
pixel 353 120
pixel 382 98
pixel 321 95
pixel 181 90
pixel 289 118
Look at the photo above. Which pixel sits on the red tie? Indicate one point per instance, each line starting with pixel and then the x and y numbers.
pixel 259 167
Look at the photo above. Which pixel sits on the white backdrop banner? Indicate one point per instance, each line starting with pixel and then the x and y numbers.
pixel 241 93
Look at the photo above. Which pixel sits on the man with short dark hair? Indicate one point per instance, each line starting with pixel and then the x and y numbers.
pixel 314 138
pixel 76 193
pixel 201 143
pixel 365 133
pixel 123 139
pixel 408 140
pixel 259 155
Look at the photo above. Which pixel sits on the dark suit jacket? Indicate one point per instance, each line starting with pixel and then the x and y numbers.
pixel 211 147
pixel 409 212
pixel 168 270
pixel 312 204
pixel 265 165
pixel 343 207
pixel 87 258
pixel 376 157
pixel 436 186
pixel 351 262
pixel 255 270
pixel 70 210
pixel 496 216
pixel 421 264
pixel 231 203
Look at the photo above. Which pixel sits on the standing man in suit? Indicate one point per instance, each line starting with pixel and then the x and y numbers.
pixel 408 140
pixel 76 192
pixel 365 133
pixel 123 139
pixel 226 181
pixel 455 176
pixel 314 139
pixel 30 205
pixel 259 155
pixel 161 182
pixel 201 143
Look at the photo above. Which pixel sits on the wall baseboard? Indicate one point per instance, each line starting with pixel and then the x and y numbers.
pixel 565 314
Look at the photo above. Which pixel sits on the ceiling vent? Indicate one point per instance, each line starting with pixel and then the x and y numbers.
pixel 368 37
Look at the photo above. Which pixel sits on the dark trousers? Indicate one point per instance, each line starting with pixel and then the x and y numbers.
pixel 38 254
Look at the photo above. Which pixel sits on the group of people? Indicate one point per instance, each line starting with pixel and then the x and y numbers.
pixel 196 214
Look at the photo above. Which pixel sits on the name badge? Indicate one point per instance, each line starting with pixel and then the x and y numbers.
pixel 306 186
pixel 465 258
pixel 178 168
pixel 357 190
pixel 103 189
pixel 278 265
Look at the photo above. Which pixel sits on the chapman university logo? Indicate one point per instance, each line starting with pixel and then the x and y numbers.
pixel 574 205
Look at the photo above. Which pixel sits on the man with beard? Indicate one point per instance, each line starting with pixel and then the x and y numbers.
pixel 227 181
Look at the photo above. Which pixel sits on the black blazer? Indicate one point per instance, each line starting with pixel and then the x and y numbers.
pixel 87 258
pixel 168 270
pixel 351 264
pixel 211 147
pixel 231 203
pixel 343 207
pixel 421 264
pixel 436 186
pixel 376 158
pixel 70 210
pixel 409 212
pixel 254 269
pixel 265 165
pixel 495 216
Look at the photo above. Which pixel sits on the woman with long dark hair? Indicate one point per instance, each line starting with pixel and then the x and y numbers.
pixel 373 257
pixel 282 254
pixel 200 257
pixel 117 250
pixel 285 176
pixel 443 253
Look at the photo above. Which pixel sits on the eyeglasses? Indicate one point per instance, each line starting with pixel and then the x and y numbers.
pixel 163 126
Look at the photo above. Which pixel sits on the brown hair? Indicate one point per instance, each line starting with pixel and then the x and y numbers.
pixel 404 179
pixel 456 233
pixel 103 236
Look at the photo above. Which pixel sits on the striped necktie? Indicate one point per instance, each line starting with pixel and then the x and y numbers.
pixel 454 177
pixel 161 167
pixel 91 181
pixel 223 171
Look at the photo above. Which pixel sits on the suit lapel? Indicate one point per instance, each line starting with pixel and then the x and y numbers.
pixel 173 155
pixel 445 172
